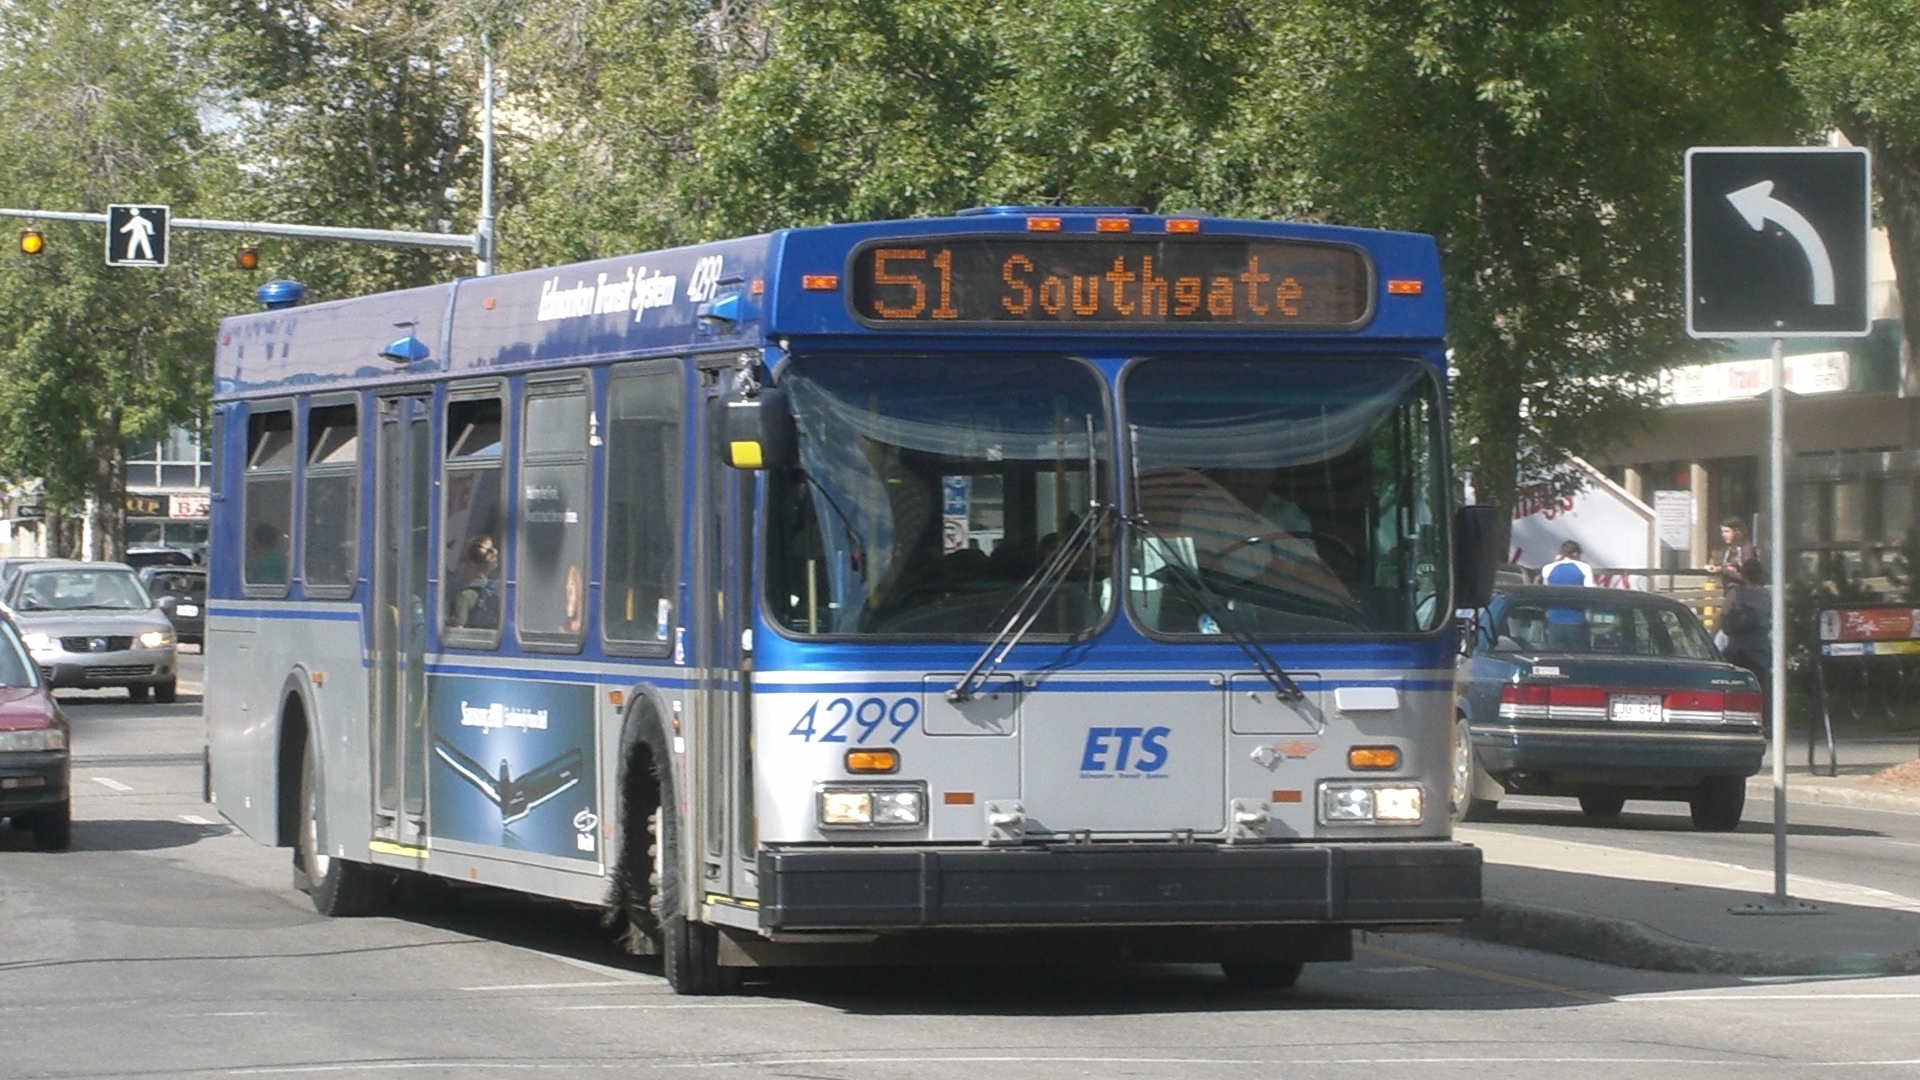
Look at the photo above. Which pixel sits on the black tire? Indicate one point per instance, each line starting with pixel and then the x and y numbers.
pixel 338 887
pixel 1718 803
pixel 137 693
pixel 689 951
pixel 53 827
pixel 1467 779
pixel 165 693
pixel 1261 976
pixel 1602 804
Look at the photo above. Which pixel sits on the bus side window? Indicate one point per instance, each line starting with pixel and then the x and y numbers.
pixel 328 552
pixel 268 497
pixel 550 555
pixel 642 508
pixel 472 522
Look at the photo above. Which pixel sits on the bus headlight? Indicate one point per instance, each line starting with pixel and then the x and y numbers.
pixel 1397 804
pixel 871 806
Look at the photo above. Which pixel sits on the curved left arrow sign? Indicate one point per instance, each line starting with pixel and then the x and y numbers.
pixel 1757 205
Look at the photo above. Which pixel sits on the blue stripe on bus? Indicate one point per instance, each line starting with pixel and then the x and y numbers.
pixel 1103 686
pixel 277 613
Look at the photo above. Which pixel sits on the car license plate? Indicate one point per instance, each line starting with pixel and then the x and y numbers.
pixel 1635 708
pixel 188 609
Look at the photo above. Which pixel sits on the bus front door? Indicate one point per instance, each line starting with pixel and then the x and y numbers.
pixel 726 750
pixel 400 561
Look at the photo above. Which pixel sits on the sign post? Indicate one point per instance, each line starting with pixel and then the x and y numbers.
pixel 1777 248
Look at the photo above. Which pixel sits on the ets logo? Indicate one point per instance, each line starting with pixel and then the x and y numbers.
pixel 1125 752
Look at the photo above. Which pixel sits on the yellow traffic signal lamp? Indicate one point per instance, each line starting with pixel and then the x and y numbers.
pixel 247 257
pixel 31 242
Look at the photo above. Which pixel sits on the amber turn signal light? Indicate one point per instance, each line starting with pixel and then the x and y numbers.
pixel 1373 757
pixel 873 760
pixel 31 242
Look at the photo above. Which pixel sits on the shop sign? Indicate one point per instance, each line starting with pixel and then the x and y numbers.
pixel 1869 630
pixel 146 505
pixel 186 506
pixel 1808 373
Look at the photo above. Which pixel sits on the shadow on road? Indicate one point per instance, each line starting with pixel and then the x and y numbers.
pixel 122 835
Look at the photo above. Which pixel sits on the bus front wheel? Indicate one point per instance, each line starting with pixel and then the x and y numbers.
pixel 337 886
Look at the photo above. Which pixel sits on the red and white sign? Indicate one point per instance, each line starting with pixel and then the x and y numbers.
pixel 186 506
pixel 1869 624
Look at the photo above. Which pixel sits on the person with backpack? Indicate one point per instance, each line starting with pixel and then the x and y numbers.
pixel 476 603
pixel 1567 626
pixel 1748 625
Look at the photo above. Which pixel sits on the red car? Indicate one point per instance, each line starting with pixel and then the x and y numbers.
pixel 35 767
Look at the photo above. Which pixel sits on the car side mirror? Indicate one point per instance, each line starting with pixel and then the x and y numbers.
pixel 758 432
pixel 1476 552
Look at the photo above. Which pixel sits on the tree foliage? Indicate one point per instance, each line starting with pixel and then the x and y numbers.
pixel 1858 62
pixel 94 101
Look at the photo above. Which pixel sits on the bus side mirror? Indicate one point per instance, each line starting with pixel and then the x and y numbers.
pixel 1476 552
pixel 758 431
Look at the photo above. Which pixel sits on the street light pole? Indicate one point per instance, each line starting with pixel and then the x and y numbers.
pixel 483 229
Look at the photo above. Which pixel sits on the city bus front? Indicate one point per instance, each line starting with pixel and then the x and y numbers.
pixel 1106 630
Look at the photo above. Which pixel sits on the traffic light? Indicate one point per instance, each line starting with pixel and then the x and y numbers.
pixel 31 242
pixel 247 257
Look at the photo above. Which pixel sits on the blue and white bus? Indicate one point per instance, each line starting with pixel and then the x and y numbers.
pixel 1034 583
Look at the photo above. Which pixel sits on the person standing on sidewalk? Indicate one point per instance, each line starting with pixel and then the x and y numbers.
pixel 1748 624
pixel 1738 552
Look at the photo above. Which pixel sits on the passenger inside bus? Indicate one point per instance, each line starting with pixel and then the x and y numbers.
pixel 475 603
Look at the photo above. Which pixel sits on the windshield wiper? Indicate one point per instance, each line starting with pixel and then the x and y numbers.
pixel 1194 587
pixel 1039 588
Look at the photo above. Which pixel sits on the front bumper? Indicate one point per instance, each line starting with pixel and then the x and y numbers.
pixel 1401 883
pixel 127 667
pixel 32 779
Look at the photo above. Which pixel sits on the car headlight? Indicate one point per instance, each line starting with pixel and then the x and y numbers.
pixel 37 642
pixel 871 806
pixel 1387 804
pixel 153 639
pixel 37 739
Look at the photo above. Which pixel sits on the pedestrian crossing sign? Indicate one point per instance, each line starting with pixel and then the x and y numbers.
pixel 136 235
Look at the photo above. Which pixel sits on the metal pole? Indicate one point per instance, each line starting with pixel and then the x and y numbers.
pixel 1777 643
pixel 483 230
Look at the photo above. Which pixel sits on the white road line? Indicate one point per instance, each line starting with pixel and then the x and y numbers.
pixel 1668 998
pixel 685 1005
pixel 196 819
pixel 111 784
pixel 604 983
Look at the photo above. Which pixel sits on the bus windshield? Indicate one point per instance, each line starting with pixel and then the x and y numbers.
pixel 1303 496
pixel 929 491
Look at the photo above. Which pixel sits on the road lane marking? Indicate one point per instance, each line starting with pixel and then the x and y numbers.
pixel 542 986
pixel 684 1005
pixel 111 784
pixel 1664 998
pixel 1481 973
pixel 196 819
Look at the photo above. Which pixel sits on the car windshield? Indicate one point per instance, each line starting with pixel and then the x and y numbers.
pixel 1603 625
pixel 928 492
pixel 80 589
pixel 1307 495
pixel 16 669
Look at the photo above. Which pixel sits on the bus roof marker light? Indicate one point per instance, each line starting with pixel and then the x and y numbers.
pixel 406 350
pixel 1405 287
pixel 1183 225
pixel 1043 224
pixel 280 293
pixel 1112 224
pixel 820 282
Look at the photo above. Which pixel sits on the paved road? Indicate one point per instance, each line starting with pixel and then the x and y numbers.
pixel 164 947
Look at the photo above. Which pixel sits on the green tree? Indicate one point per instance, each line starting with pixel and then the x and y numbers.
pixel 95 100
pixel 354 113
pixel 1858 62
pixel 1542 144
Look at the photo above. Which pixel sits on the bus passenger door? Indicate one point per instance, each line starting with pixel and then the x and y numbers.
pixel 399 619
pixel 725 554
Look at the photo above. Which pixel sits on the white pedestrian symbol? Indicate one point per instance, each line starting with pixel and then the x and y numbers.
pixel 139 233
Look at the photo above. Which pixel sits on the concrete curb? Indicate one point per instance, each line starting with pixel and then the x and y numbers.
pixel 1800 789
pixel 1625 943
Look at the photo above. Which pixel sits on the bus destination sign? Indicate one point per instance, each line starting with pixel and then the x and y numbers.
pixel 1172 282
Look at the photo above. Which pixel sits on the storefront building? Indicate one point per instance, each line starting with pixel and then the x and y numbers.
pixel 1853 450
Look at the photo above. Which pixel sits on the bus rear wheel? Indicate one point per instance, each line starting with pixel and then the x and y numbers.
pixel 1261 976
pixel 338 887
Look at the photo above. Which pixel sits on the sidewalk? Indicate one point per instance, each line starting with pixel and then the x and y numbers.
pixel 1675 913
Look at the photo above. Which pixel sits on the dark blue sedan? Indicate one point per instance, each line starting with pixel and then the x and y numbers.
pixel 1603 695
